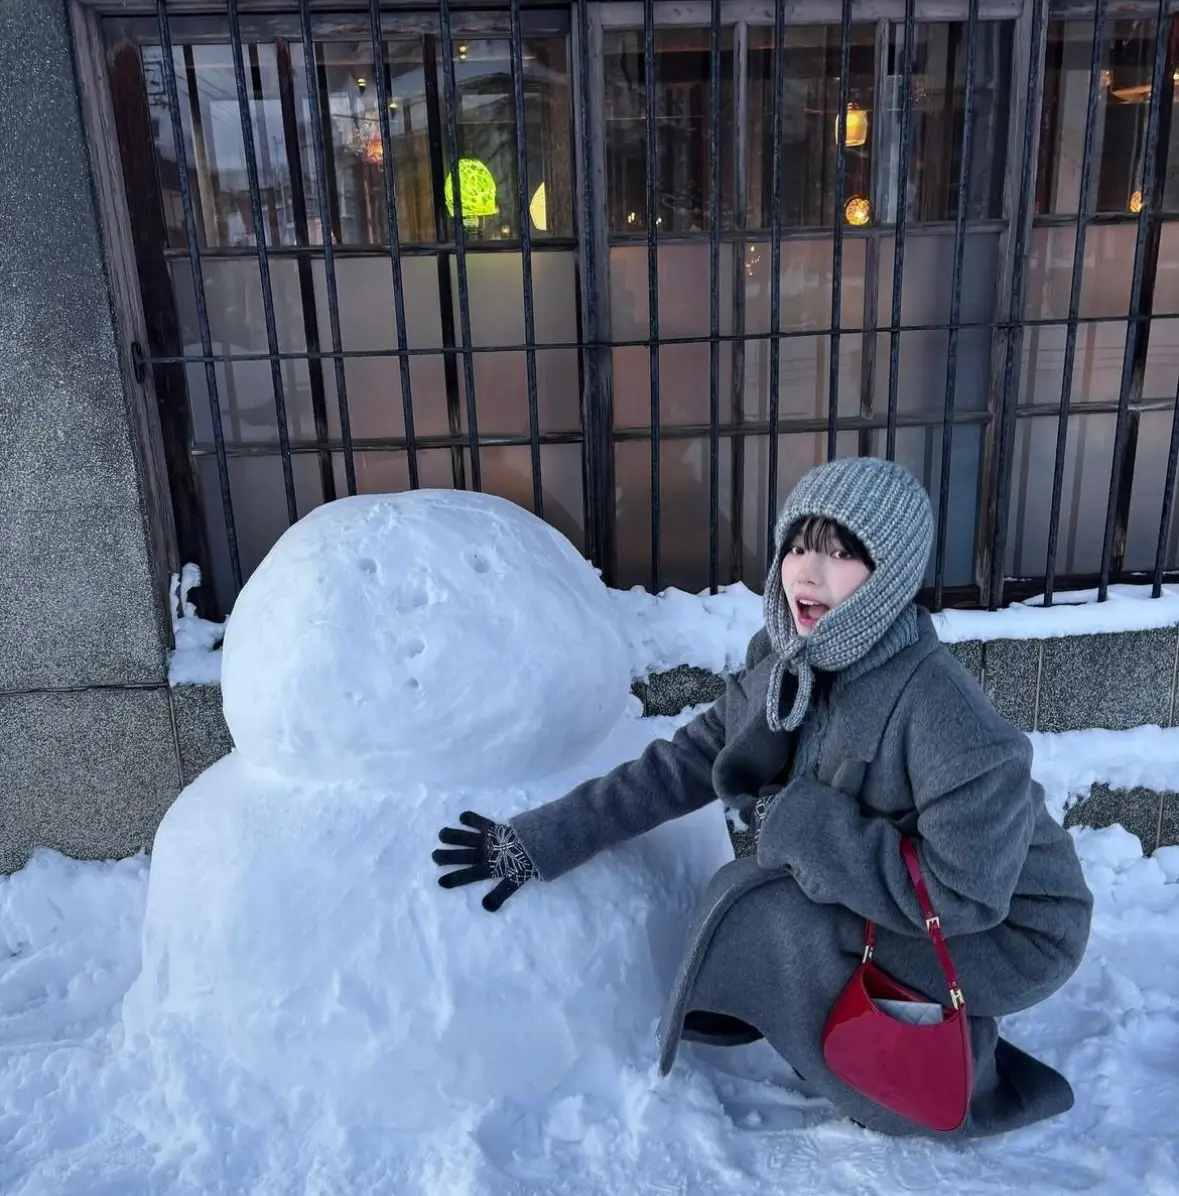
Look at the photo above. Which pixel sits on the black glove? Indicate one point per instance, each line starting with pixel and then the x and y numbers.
pixel 490 851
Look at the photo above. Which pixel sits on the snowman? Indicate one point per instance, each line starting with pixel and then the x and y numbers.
pixel 307 990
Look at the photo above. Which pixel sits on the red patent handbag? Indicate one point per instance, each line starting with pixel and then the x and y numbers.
pixel 922 1072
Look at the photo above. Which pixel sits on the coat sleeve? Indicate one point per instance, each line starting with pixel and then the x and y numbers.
pixel 976 811
pixel 671 778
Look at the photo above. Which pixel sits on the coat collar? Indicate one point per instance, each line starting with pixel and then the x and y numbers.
pixel 861 709
pixel 863 704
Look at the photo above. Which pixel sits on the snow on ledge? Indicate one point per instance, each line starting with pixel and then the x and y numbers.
pixel 1128 608
pixel 197 656
pixel 711 631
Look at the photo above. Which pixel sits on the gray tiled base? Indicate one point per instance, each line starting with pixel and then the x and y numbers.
pixel 1135 809
pixel 969 654
pixel 60 563
pixel 1112 681
pixel 200 728
pixel 677 689
pixel 88 773
pixel 1011 673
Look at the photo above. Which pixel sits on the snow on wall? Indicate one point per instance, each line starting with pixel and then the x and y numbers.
pixel 677 628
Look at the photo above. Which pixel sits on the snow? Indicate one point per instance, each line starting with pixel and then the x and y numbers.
pixel 285 1001
pixel 1068 764
pixel 1077 612
pixel 374 640
pixel 196 659
pixel 710 631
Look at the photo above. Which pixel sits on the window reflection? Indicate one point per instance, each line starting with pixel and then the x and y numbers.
pixel 938 114
pixel 1123 90
pixel 353 147
pixel 811 123
pixel 682 110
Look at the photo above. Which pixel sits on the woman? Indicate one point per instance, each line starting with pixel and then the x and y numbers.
pixel 849 728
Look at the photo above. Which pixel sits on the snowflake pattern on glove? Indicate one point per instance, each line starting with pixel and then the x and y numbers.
pixel 761 809
pixel 506 856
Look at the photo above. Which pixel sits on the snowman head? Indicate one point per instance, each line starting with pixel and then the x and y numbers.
pixel 432 636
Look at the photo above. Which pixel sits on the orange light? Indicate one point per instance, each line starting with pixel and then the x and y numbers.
pixel 1136 202
pixel 857 211
pixel 857 126
pixel 373 149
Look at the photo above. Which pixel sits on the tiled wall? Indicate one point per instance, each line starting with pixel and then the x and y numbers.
pixel 1112 681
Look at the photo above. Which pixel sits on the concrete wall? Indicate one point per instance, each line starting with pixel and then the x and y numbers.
pixel 88 761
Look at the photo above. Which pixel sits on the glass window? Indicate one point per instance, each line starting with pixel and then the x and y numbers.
pixel 938 114
pixel 682 110
pixel 353 146
pixel 810 123
pixel 811 126
pixel 1123 105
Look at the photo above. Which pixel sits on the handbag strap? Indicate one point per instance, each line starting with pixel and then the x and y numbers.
pixel 933 925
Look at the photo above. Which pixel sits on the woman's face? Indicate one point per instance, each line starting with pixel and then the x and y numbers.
pixel 816 580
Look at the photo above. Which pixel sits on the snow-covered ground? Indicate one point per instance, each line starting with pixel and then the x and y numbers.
pixel 285 1002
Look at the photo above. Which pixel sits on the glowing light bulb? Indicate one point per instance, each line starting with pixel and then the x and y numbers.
pixel 857 211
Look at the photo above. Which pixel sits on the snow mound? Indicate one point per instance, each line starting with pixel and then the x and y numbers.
pixel 431 636
pixel 295 934
pixel 394 661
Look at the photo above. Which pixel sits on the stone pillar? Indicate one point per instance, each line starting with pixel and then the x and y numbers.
pixel 88 762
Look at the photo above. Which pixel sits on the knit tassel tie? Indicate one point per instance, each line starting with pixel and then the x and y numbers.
pixel 795 659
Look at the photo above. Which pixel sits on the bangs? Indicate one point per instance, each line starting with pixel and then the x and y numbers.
pixel 817 533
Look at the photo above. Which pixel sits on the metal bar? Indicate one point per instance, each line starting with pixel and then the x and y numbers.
pixel 198 286
pixel 389 179
pixel 525 219
pixel 408 248
pixel 310 57
pixel 652 167
pixel 756 429
pixel 593 290
pixel 436 139
pixel 1168 502
pixel 1005 452
pixel 694 12
pixel 965 167
pixel 1146 245
pixel 740 208
pixel 734 338
pixel 331 200
pixel 845 36
pixel 898 251
pixel 1084 206
pixel 460 239
pixel 265 164
pixel 307 303
pixel 249 149
pixel 714 217
pixel 205 203
pixel 878 195
pixel 775 274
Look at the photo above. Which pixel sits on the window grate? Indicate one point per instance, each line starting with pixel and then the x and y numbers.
pixel 638 273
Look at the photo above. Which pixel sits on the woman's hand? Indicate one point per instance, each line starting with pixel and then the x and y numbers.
pixel 490 851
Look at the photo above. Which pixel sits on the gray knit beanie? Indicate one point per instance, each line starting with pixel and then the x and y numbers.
pixel 887 508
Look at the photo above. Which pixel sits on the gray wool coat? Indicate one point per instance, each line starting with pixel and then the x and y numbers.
pixel 909 747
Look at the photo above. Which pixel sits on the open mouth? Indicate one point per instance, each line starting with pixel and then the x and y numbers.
pixel 809 612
